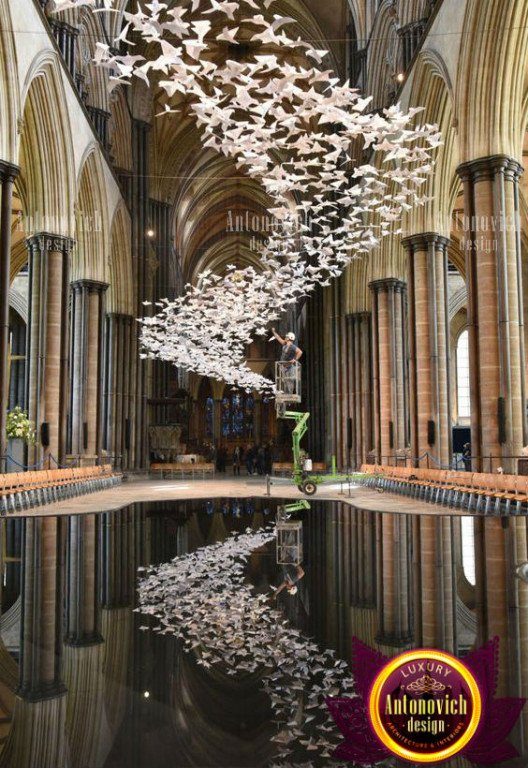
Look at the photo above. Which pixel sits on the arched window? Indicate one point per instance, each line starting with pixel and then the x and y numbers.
pixel 462 367
pixel 237 416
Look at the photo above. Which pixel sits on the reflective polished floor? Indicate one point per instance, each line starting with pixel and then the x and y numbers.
pixel 86 682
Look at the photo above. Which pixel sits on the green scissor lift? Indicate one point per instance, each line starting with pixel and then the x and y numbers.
pixel 305 481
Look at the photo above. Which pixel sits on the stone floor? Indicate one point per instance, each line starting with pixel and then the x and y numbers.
pixel 143 489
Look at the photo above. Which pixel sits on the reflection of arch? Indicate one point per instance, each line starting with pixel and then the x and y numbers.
pixel 46 156
pixel 91 221
pixel 121 291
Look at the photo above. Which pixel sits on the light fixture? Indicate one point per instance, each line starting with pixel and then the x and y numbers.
pixel 400 77
pixel 150 233
pixel 146 694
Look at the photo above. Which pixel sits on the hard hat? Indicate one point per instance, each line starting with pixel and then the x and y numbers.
pixel 290 336
pixel 292 590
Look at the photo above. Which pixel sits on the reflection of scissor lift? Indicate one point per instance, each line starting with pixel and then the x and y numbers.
pixel 290 534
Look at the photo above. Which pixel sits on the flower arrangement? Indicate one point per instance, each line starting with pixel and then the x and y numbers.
pixel 19 426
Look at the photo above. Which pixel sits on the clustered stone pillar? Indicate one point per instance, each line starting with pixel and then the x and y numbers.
pixel 430 416
pixel 495 311
pixel 8 174
pixel 49 257
pixel 362 568
pixel 87 316
pixel 389 367
pixel 360 386
pixel 117 386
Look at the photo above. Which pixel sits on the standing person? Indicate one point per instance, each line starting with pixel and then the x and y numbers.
pixel 237 456
pixel 249 459
pixel 466 456
pixel 291 354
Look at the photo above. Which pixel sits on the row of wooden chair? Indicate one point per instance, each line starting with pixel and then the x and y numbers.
pixel 183 469
pixel 475 491
pixel 286 467
pixel 22 490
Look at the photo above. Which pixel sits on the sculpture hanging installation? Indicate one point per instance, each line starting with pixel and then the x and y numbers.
pixel 289 123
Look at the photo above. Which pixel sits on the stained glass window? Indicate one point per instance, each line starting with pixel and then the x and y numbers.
pixel 237 415
pixel 209 417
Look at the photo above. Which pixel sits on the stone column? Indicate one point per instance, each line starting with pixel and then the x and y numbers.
pixel 82 604
pixel 430 415
pixel 217 421
pixel 495 310
pixel 8 174
pixel 389 367
pixel 48 347
pixel 86 403
pixel 40 674
pixel 360 385
pixel 117 378
pixel 140 254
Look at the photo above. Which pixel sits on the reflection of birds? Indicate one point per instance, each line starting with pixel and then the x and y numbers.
pixel 202 599
pixel 271 116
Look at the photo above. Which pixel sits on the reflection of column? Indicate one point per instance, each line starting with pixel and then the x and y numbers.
pixel 48 339
pixel 434 605
pixel 502 602
pixel 495 310
pixel 393 581
pixel 40 647
pixel 389 366
pixel 363 576
pixel 82 593
pixel 360 386
pixel 429 346
pixel 117 559
pixel 87 314
pixel 8 174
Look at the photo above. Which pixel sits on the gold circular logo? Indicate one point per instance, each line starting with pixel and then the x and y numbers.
pixel 425 706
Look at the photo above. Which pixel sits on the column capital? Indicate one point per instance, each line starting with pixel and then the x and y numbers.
pixel 8 171
pixel 422 241
pixel 42 691
pixel 46 242
pixel 83 640
pixel 90 286
pixel 487 168
pixel 388 284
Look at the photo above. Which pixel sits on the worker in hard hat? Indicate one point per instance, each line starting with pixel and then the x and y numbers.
pixel 291 354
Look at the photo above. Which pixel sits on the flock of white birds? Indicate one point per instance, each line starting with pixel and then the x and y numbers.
pixel 289 123
pixel 203 599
